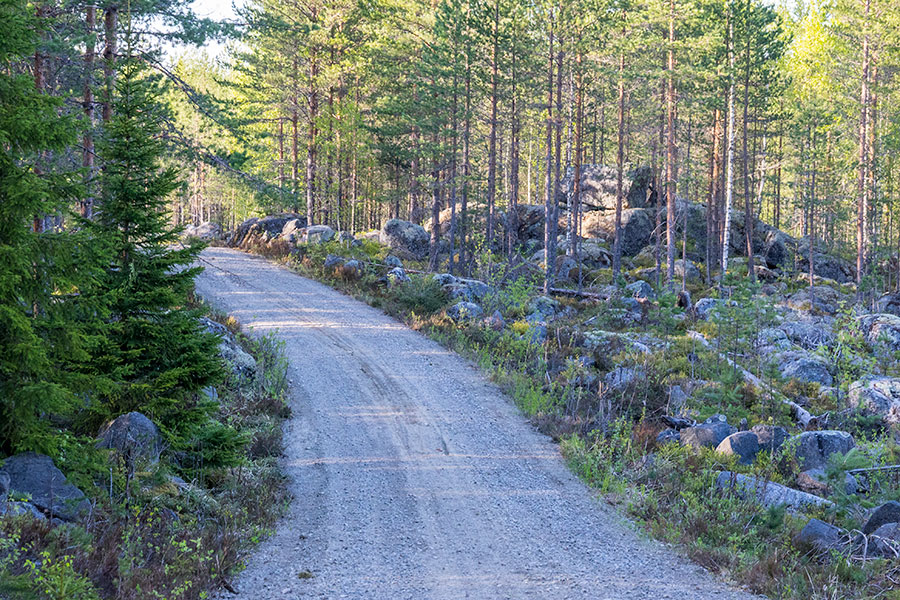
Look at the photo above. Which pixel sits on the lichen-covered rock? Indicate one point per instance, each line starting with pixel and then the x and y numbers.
pixel 241 365
pixel 332 261
pixel 392 261
pixel 620 377
pixel 464 311
pixel 818 299
pixel 36 475
pixel 708 434
pixel 397 276
pixel 881 330
pixel 406 238
pixel 637 228
pixel 318 234
pixel 640 289
pixel 820 536
pixel 743 444
pixel 803 366
pixel 132 435
pixel 770 437
pixel 704 307
pixel 204 231
pixel 889 512
pixel 877 395
pixel 814 448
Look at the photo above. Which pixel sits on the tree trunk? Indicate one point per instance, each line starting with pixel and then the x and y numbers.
pixel 549 198
pixel 729 162
pixel 620 159
pixel 748 213
pixel 87 153
pixel 513 209
pixel 670 154
pixel 312 116
pixel 492 140
pixel 862 189
pixel 110 24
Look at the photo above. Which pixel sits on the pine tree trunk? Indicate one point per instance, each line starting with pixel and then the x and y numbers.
pixel 748 213
pixel 312 115
pixel 620 159
pixel 862 189
pixel 492 140
pixel 670 154
pixel 549 198
pixel 87 153
pixel 513 210
pixel 110 25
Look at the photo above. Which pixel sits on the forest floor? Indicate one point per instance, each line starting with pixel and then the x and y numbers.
pixel 413 476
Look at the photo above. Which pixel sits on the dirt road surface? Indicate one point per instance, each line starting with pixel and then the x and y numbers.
pixel 415 477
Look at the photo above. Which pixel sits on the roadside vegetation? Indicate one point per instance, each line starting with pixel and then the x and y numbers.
pixel 559 369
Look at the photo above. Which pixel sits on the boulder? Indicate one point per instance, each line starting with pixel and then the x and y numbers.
pixel 770 437
pixel 637 227
pixel 598 187
pixel 292 228
pixel 567 269
pixel 667 436
pixel 708 434
pixel 392 261
pixel 806 331
pixel 608 343
pixel 17 509
pixel 620 377
pixel 265 227
pixel 241 364
pixel 825 265
pixel 545 306
pixel 743 444
pixel 36 475
pixel 537 334
pixel 640 289
pixel 464 311
pixel 881 330
pixel 204 231
pixel 495 321
pixel 813 448
pixel 820 536
pixel 687 270
pixel 332 261
pixel 318 234
pixel 821 299
pixel 877 395
pixel 885 541
pixel 397 276
pixel 889 303
pixel 591 252
pixel 406 239
pixel 803 366
pixel 133 435
pixel 352 269
pixel 889 512
pixel 768 493
pixel 704 307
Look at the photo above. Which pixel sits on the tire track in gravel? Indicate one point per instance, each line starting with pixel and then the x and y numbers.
pixel 414 477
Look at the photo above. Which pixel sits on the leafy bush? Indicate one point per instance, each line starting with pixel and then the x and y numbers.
pixel 421 295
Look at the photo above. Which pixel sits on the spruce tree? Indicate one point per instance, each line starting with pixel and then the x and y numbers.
pixel 46 277
pixel 156 347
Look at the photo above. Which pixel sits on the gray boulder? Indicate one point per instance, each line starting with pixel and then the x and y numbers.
pixel 133 435
pixel 545 306
pixel 620 377
pixel 803 367
pixel 17 509
pixel 567 269
pixel 4 486
pixel 36 475
pixel 704 307
pixel 393 262
pixel 885 541
pixel 464 311
pixel 406 239
pixel 881 330
pixel 877 395
pixel 204 231
pixel 889 512
pixel 743 444
pixel 820 536
pixel 318 234
pixel 537 334
pixel 708 434
pixel 598 187
pixel 807 332
pixel 640 289
pixel 889 303
pixel 637 228
pixel 396 276
pixel 333 261
pixel 813 448
pixel 821 299
pixel 352 269
pixel 265 227
pixel 241 365
pixel 770 437
pixel 768 493
pixel 667 436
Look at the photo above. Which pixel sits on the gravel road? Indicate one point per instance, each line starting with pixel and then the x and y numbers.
pixel 415 477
